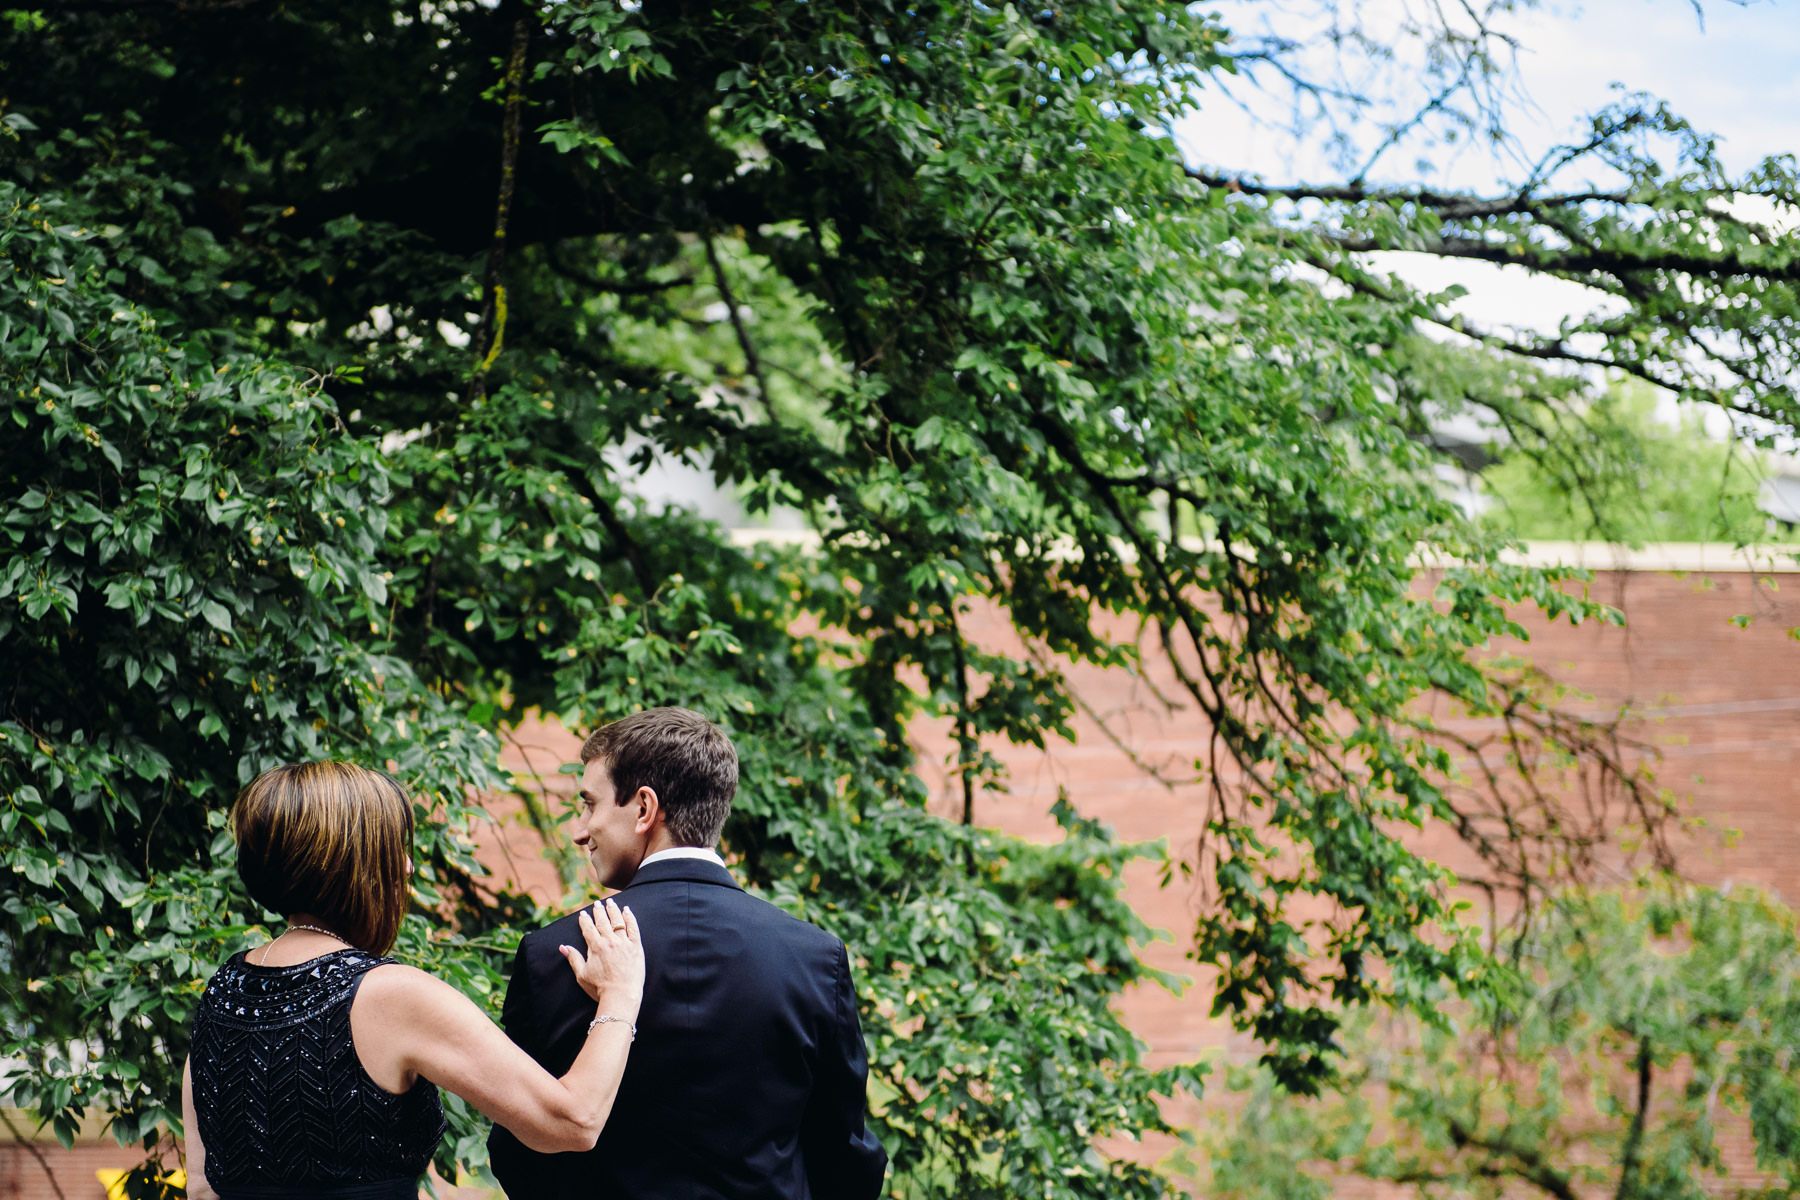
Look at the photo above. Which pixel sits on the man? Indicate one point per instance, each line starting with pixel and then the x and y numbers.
pixel 748 1077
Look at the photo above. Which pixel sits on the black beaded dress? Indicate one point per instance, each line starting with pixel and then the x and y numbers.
pixel 286 1111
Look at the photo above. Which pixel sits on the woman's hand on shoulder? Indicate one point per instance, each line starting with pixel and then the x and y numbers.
pixel 611 971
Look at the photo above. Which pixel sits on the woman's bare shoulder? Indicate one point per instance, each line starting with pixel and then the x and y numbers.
pixel 409 989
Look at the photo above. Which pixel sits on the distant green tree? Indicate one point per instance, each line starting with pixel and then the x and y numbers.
pixel 1615 472
pixel 1649 1030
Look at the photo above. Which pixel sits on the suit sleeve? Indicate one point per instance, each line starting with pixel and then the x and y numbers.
pixel 507 1156
pixel 843 1158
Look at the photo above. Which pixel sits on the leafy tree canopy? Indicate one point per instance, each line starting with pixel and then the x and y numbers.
pixel 1654 1031
pixel 335 333
pixel 1627 476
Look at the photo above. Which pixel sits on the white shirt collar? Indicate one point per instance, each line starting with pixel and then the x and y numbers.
pixel 700 852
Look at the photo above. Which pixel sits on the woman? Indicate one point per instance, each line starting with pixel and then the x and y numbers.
pixel 316 1063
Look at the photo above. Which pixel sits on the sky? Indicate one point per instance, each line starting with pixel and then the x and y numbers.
pixel 1737 76
pixel 1732 70
pixel 1735 73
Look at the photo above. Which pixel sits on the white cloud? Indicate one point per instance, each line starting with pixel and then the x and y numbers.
pixel 1739 77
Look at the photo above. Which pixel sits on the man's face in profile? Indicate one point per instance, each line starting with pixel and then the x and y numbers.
pixel 606 830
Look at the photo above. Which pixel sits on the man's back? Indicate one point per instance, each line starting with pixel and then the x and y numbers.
pixel 748 1077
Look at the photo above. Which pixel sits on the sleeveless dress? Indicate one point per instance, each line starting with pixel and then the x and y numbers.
pixel 285 1109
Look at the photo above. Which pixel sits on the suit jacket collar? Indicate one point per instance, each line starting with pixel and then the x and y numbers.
pixel 685 870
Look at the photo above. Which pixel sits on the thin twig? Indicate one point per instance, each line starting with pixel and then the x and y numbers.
pixel 752 364
pixel 30 1148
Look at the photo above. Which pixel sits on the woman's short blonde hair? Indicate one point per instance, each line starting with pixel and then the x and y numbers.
pixel 331 839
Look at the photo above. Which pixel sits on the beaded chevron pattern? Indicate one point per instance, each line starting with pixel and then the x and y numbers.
pixel 282 1098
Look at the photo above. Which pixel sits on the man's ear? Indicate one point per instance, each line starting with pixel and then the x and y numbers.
pixel 649 806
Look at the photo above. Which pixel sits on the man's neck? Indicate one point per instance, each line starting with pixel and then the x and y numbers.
pixel 672 851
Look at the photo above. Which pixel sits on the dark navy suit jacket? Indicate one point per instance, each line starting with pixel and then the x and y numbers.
pixel 749 1075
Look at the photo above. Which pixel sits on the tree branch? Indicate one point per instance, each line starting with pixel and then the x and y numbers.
pixel 1532 1167
pixel 1449 205
pixel 1634 1138
pixel 492 328
pixel 965 733
pixel 752 364
pixel 1578 261
pixel 1556 350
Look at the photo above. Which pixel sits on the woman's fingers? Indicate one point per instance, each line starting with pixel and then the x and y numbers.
pixel 593 968
pixel 614 962
pixel 596 941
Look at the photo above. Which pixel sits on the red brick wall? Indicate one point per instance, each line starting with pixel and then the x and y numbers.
pixel 38 1168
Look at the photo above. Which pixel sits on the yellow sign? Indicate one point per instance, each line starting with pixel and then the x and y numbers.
pixel 113 1178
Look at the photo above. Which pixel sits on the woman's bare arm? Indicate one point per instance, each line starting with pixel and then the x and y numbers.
pixel 197 1187
pixel 408 1024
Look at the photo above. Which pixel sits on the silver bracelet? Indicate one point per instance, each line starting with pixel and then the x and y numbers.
pixel 599 1021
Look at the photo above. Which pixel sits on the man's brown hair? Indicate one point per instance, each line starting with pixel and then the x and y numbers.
pixel 330 839
pixel 680 755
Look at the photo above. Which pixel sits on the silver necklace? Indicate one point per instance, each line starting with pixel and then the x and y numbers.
pixel 293 925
